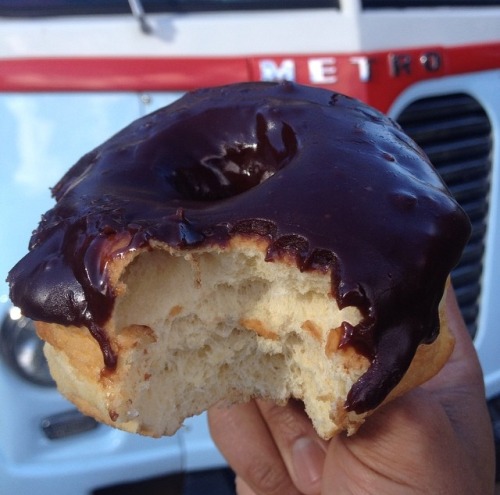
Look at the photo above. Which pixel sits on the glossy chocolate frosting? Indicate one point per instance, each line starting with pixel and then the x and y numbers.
pixel 321 176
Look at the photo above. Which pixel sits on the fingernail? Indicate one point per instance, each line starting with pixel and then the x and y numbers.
pixel 308 459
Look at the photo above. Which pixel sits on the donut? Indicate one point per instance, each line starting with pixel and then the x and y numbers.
pixel 265 240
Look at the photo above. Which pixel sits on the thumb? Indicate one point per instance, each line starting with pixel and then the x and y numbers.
pixel 308 459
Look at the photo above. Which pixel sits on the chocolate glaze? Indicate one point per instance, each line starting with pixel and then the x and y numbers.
pixel 322 177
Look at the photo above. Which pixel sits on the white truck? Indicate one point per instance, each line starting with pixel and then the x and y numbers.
pixel 74 72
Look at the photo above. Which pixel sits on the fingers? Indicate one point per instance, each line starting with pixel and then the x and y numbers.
pixel 459 387
pixel 246 442
pixel 302 451
pixel 427 435
pixel 242 488
pixel 281 452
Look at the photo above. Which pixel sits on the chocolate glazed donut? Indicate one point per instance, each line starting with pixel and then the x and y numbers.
pixel 319 176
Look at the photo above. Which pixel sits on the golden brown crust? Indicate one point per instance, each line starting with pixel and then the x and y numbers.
pixel 75 362
pixel 429 359
pixel 258 327
pixel 79 347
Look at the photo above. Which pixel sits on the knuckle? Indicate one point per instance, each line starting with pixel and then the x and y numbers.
pixel 290 421
pixel 268 479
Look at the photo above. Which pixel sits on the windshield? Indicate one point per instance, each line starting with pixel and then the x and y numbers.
pixel 30 8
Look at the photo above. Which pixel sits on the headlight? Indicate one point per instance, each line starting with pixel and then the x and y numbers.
pixel 22 349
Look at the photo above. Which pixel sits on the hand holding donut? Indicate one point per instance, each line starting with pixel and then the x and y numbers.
pixel 435 439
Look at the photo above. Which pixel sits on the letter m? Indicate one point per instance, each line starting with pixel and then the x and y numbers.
pixel 270 70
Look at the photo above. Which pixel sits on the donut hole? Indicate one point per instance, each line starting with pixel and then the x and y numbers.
pixel 240 167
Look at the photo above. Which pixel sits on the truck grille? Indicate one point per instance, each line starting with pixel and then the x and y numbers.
pixel 455 132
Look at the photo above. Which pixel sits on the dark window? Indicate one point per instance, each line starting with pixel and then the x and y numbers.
pixel 37 8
